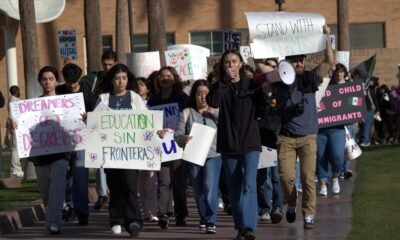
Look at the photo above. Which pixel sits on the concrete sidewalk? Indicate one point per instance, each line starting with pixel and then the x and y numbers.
pixel 333 221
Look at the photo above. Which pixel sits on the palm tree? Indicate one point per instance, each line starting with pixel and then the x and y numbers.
pixel 122 29
pixel 157 34
pixel 31 60
pixel 93 36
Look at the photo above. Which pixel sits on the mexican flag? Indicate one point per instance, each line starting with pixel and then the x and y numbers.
pixel 355 101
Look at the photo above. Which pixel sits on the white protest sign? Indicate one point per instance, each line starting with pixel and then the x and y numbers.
pixel 196 150
pixel 170 149
pixel 123 139
pixel 67 44
pixel 278 34
pixel 143 64
pixel 268 158
pixel 245 51
pixel 49 125
pixel 321 90
pixel 198 60
pixel 343 57
pixel 180 59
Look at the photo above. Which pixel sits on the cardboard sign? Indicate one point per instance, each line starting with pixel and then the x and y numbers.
pixel 67 44
pixel 49 125
pixel 278 34
pixel 143 64
pixel 190 61
pixel 343 57
pixel 124 139
pixel 342 104
pixel 196 150
pixel 268 158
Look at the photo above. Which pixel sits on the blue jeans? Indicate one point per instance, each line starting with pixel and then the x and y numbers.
pixel 80 178
pixel 330 149
pixel 242 184
pixel 205 181
pixel 366 127
pixel 270 190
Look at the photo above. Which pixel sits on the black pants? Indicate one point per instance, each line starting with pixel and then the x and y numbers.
pixel 124 202
pixel 179 175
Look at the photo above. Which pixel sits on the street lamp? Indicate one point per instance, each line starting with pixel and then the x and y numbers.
pixel 279 2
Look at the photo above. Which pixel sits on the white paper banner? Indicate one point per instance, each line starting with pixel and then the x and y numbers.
pixel 343 57
pixel 143 64
pixel 268 158
pixel 278 34
pixel 196 150
pixel 49 125
pixel 321 90
pixel 124 139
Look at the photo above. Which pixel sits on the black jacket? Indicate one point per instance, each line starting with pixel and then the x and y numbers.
pixel 238 131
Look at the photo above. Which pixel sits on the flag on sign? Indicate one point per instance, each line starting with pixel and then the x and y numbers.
pixel 355 101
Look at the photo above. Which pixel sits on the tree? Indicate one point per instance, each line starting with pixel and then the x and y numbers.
pixel 343 25
pixel 122 29
pixel 157 34
pixel 31 60
pixel 94 43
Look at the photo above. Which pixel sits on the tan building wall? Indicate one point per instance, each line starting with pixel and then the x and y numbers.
pixel 185 16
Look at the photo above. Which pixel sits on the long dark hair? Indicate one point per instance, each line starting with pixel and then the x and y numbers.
pixel 221 63
pixel 106 83
pixel 192 96
pixel 178 85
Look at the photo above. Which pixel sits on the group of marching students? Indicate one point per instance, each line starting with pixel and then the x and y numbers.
pixel 247 112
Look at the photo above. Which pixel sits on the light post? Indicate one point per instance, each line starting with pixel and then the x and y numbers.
pixel 279 2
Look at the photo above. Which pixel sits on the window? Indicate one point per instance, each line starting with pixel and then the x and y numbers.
pixel 141 42
pixel 210 40
pixel 107 42
pixel 364 35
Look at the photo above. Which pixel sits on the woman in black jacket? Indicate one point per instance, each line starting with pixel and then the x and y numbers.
pixel 238 138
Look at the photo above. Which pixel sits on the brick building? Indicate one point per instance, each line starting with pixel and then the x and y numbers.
pixel 374 28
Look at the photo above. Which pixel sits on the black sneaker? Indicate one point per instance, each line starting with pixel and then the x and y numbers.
pixel 100 202
pixel 163 221
pixel 249 234
pixel 211 228
pixel 309 222
pixel 240 236
pixel 134 229
pixel 83 221
pixel 276 215
pixel 54 230
pixel 203 225
pixel 291 214
pixel 180 221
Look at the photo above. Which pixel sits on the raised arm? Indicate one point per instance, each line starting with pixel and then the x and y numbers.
pixel 329 63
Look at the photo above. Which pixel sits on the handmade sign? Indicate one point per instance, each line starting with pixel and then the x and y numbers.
pixel 278 34
pixel 190 61
pixel 351 150
pixel 268 158
pixel 67 44
pixel 245 51
pixel 170 149
pixel 123 139
pixel 49 125
pixel 143 64
pixel 196 150
pixel 343 57
pixel 342 104
pixel 231 40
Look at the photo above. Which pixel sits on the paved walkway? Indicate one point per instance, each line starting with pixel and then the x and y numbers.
pixel 333 222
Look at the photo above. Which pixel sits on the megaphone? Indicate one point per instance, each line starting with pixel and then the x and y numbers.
pixel 284 73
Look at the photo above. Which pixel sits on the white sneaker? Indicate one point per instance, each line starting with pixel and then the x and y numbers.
pixel 116 230
pixel 220 203
pixel 265 217
pixel 18 174
pixel 335 186
pixel 323 191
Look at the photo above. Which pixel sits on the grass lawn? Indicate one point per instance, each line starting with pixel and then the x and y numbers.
pixel 11 198
pixel 376 196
